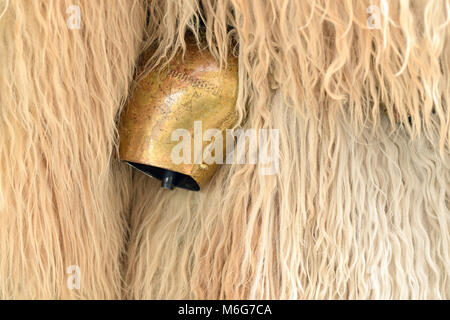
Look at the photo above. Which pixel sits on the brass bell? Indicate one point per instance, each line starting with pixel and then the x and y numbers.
pixel 191 88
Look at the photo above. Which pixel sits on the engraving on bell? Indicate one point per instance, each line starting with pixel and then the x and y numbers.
pixel 191 88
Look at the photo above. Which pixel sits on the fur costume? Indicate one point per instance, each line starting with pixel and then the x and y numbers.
pixel 360 206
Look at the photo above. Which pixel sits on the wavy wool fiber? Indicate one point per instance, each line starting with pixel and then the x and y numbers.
pixel 360 205
pixel 63 200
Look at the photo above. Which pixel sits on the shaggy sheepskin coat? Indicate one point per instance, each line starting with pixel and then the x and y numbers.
pixel 360 205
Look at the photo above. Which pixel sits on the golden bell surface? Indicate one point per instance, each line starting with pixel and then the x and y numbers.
pixel 190 91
